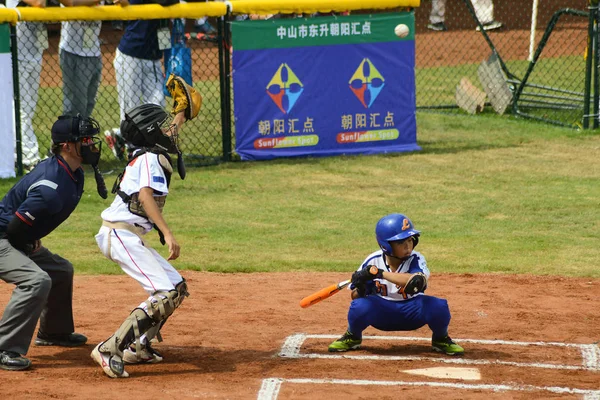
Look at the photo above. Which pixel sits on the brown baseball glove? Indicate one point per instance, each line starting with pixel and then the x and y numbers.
pixel 185 97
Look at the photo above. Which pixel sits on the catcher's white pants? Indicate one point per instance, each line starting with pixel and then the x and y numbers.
pixel 484 9
pixel 142 263
pixel 139 82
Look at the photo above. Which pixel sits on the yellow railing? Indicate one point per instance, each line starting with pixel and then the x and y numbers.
pixel 194 10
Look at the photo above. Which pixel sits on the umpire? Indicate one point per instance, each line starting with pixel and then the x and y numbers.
pixel 32 208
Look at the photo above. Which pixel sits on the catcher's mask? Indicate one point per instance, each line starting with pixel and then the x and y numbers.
pixel 79 129
pixel 143 127
pixel 395 227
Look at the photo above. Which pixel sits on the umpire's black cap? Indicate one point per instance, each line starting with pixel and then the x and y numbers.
pixel 71 129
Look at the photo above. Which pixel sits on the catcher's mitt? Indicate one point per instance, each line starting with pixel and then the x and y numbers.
pixel 185 97
pixel 417 283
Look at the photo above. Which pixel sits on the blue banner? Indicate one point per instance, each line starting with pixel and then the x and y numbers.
pixel 309 99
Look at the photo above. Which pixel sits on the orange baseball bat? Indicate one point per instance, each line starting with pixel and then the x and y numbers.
pixel 323 294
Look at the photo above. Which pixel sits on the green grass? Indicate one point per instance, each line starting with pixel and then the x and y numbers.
pixel 489 194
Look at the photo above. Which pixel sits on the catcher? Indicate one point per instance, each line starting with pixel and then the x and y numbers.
pixel 141 190
pixel 387 291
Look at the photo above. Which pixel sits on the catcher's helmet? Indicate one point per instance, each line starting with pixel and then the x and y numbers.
pixel 142 127
pixel 394 227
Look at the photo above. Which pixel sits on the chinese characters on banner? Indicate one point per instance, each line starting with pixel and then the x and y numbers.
pixel 324 86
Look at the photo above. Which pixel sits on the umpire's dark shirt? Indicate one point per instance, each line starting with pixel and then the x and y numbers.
pixel 43 198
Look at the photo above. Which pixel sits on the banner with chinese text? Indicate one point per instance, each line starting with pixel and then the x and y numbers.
pixel 324 86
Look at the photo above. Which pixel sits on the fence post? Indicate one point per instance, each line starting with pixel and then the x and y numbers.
pixel 224 76
pixel 589 64
pixel 596 97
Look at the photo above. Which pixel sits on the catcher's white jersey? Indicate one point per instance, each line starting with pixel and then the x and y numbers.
pixel 386 289
pixel 144 171
pixel 124 247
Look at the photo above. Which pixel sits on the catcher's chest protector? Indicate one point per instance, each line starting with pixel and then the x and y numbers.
pixel 133 203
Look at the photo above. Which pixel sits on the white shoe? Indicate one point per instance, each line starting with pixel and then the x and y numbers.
pixel 490 26
pixel 147 355
pixel 115 142
pixel 111 365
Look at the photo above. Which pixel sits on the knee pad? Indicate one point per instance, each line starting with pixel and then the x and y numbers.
pixel 182 291
pixel 162 304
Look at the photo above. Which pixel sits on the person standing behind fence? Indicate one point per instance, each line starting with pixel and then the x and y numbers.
pixel 484 10
pixel 138 67
pixel 32 40
pixel 81 64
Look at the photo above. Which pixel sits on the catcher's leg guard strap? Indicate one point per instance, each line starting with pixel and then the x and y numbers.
pixel 130 330
pixel 182 291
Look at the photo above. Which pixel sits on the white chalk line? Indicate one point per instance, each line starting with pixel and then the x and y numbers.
pixel 590 353
pixel 271 386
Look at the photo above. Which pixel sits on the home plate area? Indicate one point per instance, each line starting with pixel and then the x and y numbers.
pixel 384 365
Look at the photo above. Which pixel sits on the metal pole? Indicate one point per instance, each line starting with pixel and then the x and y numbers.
pixel 588 69
pixel 594 11
pixel 227 73
pixel 534 11
pixel 224 46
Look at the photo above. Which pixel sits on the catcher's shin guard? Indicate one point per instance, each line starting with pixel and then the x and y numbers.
pixel 159 307
pixel 182 292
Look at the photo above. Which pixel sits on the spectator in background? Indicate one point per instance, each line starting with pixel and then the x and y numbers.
pixel 32 40
pixel 81 64
pixel 139 69
pixel 202 30
pixel 484 9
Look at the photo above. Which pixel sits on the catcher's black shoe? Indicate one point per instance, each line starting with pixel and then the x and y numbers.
pixel 66 340
pixel 11 361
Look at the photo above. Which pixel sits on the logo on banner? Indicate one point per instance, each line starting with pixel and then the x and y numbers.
pixel 366 83
pixel 285 88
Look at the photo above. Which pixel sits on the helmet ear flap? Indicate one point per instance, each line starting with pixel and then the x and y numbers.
pixel 415 240
pixel 131 133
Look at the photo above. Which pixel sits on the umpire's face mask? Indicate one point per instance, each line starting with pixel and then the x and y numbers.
pixel 91 148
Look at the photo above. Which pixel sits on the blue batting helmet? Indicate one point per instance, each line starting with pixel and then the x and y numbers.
pixel 394 227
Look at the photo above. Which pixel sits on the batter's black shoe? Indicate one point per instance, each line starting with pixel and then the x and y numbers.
pixel 67 340
pixel 11 361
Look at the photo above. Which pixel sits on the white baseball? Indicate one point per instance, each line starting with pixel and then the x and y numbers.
pixel 401 30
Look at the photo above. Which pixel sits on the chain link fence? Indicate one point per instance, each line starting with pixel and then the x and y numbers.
pixel 460 68
pixel 470 58
pixel 75 68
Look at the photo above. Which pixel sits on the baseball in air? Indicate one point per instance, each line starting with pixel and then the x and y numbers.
pixel 401 30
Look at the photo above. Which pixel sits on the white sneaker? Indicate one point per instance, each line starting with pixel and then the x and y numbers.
pixel 490 26
pixel 111 365
pixel 147 355
pixel 115 142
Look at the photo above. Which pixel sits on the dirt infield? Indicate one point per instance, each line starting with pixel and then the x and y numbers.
pixel 224 342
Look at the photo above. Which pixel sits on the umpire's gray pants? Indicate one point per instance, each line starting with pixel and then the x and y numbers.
pixel 44 291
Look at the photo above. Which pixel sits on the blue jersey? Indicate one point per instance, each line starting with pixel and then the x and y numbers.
pixel 386 289
pixel 140 39
pixel 44 198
